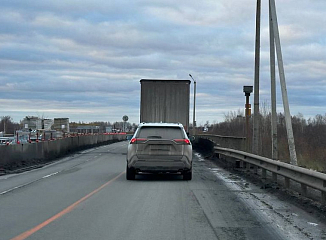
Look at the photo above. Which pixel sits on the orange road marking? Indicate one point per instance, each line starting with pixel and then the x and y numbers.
pixel 33 230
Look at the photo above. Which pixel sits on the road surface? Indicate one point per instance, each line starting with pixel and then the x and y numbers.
pixel 87 196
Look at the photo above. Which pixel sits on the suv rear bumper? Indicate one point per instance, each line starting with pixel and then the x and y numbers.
pixel 156 165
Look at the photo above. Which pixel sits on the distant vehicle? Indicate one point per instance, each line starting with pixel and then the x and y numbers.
pixel 6 140
pixel 165 101
pixel 116 130
pixel 159 148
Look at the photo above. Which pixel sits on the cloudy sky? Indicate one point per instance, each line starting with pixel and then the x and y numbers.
pixel 84 59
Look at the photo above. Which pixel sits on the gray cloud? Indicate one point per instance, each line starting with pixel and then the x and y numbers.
pixel 84 59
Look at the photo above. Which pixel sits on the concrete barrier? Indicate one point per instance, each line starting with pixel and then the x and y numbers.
pixel 27 154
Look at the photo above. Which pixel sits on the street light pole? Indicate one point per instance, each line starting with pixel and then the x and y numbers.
pixel 247 90
pixel 194 113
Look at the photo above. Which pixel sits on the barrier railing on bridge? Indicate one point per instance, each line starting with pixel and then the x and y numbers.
pixel 20 155
pixel 238 143
pixel 306 177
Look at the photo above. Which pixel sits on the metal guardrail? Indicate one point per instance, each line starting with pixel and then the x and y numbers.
pixel 238 143
pixel 306 177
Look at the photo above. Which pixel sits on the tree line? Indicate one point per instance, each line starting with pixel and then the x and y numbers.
pixel 309 136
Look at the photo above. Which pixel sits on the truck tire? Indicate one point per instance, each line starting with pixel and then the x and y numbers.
pixel 187 175
pixel 130 173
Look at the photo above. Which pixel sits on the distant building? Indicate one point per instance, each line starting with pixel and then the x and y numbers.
pixel 61 124
pixel 47 124
pixel 33 123
pixel 88 129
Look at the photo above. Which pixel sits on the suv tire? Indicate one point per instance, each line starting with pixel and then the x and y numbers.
pixel 130 173
pixel 187 175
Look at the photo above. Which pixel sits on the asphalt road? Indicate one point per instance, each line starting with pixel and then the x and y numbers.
pixel 87 196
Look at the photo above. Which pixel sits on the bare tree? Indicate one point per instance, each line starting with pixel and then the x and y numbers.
pixel 7 125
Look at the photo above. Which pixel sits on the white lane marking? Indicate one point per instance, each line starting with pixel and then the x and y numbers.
pixel 50 175
pixel 47 176
pixel 26 184
pixel 9 190
pixel 313 224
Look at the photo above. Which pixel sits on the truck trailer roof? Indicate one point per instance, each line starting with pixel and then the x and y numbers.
pixel 164 80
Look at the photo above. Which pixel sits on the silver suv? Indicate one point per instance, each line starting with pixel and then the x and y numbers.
pixel 159 148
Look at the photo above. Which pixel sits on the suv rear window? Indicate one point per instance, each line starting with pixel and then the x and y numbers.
pixel 161 133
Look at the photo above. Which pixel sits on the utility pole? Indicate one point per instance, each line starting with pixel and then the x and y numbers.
pixel 256 84
pixel 273 87
pixel 287 114
pixel 194 112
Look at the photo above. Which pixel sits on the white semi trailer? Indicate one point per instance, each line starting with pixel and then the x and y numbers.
pixel 165 101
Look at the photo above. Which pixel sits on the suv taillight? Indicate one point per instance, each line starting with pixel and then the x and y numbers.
pixel 137 140
pixel 182 141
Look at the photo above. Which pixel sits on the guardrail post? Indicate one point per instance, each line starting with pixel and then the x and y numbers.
pixel 263 173
pixel 323 193
pixel 287 182
pixel 237 163
pixel 241 164
pixel 274 177
pixel 303 190
pixel 230 162
pixel 248 166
